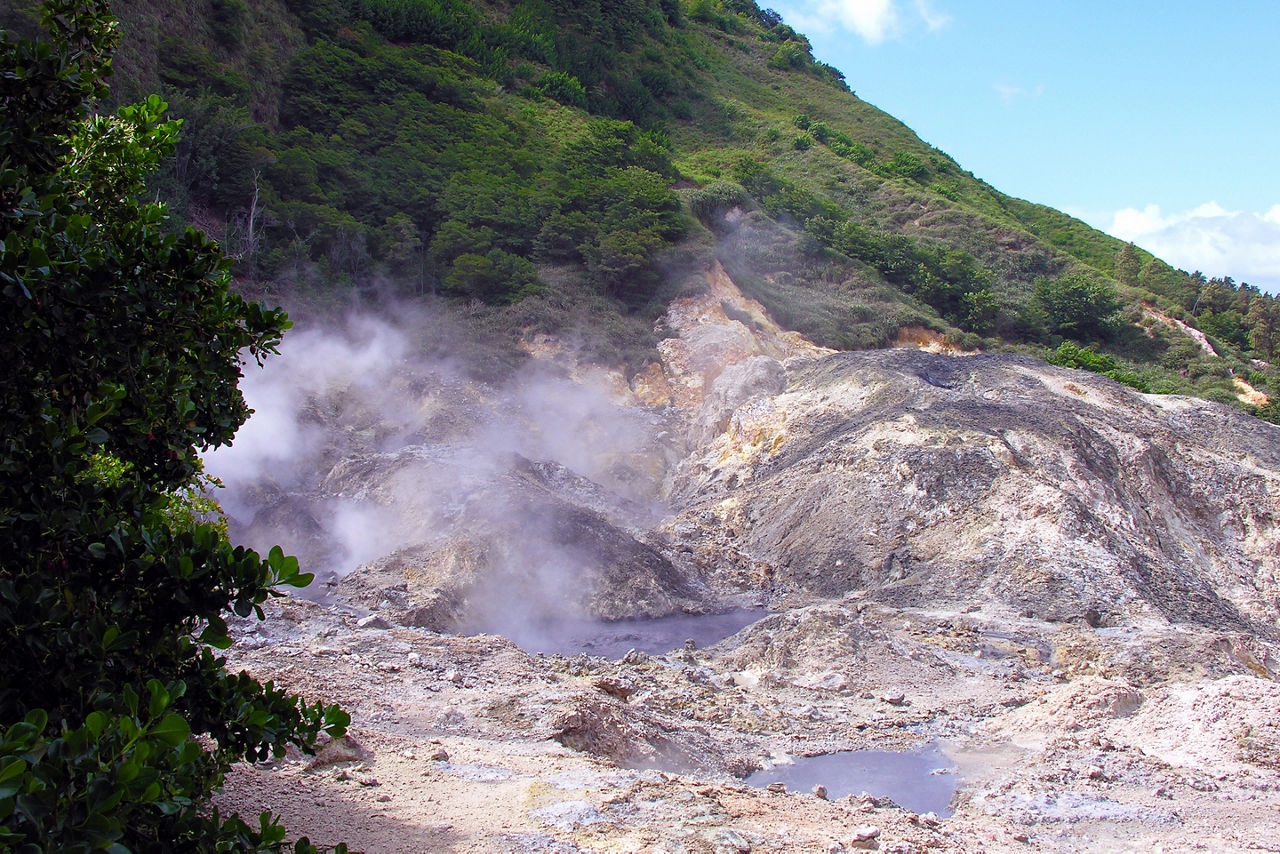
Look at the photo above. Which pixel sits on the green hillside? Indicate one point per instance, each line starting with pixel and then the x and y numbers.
pixel 550 165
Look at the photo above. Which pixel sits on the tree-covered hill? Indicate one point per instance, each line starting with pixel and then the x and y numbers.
pixel 553 164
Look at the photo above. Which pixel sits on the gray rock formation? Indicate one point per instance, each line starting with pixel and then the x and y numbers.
pixel 923 478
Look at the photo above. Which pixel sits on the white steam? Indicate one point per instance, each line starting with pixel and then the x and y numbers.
pixel 360 446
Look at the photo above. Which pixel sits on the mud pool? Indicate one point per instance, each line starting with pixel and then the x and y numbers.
pixel 921 780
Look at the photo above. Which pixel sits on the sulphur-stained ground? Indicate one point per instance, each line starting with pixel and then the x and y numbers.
pixel 1070 589
pixel 1060 742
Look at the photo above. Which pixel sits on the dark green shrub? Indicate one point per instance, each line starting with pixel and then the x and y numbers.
pixel 227 19
pixel 562 87
pixel 790 56
pixel 907 165
pixel 715 198
pixel 446 23
pixel 1078 306
pixel 496 276
pixel 123 340
pixel 1069 355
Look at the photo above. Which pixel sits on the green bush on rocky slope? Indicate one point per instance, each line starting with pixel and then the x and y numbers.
pixel 542 151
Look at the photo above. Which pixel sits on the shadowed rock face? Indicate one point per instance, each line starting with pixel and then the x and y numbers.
pixel 926 478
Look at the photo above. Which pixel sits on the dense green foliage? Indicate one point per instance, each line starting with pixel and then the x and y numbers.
pixel 122 346
pixel 476 150
pixel 1070 356
pixel 1082 307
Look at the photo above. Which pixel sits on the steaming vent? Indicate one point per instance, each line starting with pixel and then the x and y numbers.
pixel 449 504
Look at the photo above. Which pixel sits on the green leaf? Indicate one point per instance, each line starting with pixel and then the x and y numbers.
pixel 173 730
pixel 215 634
pixel 127 770
pixel 130 699
pixel 37 257
pixel 159 698
pixel 11 778
pixel 38 719
pixel 96 722
pixel 13 769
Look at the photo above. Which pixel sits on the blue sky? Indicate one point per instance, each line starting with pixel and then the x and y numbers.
pixel 1158 122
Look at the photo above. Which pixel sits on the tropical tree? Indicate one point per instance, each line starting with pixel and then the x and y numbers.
pixel 1078 306
pixel 122 352
pixel 1128 265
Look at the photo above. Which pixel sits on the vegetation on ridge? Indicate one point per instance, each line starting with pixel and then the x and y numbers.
pixel 545 152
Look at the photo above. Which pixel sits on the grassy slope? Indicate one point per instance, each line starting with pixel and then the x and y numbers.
pixel 721 104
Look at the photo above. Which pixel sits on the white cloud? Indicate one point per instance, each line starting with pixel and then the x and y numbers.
pixel 1009 93
pixel 933 19
pixel 873 20
pixel 1241 244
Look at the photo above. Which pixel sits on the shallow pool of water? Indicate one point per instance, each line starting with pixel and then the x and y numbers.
pixel 615 639
pixel 921 780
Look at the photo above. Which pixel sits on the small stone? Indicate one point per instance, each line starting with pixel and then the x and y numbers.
pixel 895 699
pixel 616 686
pixel 373 621
pixel 440 755
pixel 337 751
pixel 864 837
pixel 1059 674
pixel 1096 773
pixel 414 659
pixel 820 791
pixel 1021 837
pixel 730 841
pixel 776 787
pixel 383 799
pixel 366 780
